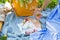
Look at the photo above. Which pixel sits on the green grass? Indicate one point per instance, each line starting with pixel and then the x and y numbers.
pixel 52 4
pixel 3 38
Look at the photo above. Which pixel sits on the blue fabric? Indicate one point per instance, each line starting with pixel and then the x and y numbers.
pixel 53 22
pixel 52 32
pixel 44 35
pixel 11 29
pixel 52 25
pixel 38 35
pixel 55 14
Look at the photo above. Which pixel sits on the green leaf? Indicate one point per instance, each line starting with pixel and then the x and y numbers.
pixel 3 38
pixel 52 4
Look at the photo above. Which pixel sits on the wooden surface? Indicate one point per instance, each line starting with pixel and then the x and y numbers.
pixel 1 25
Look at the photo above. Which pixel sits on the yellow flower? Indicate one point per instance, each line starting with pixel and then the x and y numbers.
pixel 5 35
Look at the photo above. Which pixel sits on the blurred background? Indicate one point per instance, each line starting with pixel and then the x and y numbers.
pixel 52 4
